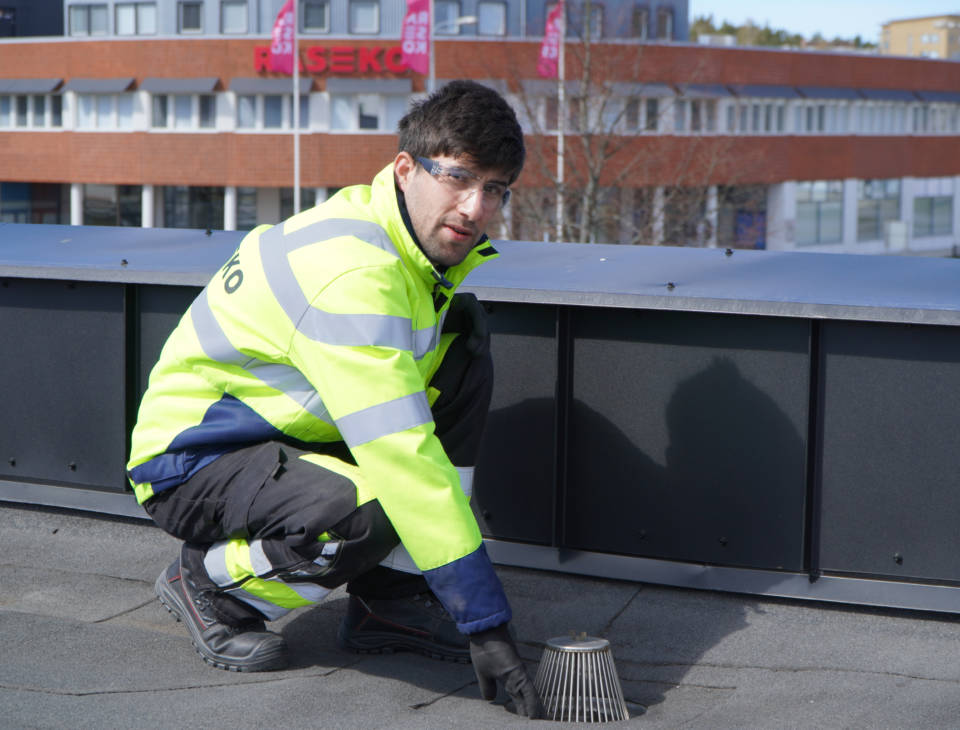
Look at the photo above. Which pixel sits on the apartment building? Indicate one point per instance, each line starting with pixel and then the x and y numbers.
pixel 164 114
pixel 935 36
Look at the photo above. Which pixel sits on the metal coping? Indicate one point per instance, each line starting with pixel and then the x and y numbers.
pixel 906 289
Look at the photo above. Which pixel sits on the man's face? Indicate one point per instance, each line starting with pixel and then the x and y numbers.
pixel 449 212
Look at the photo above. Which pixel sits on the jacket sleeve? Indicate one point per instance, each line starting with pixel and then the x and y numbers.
pixel 361 360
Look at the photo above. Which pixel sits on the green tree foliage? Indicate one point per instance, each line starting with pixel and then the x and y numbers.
pixel 751 34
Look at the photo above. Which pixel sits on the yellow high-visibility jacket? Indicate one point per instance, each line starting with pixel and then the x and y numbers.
pixel 320 329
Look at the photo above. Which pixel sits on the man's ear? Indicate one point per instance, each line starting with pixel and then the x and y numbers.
pixel 403 167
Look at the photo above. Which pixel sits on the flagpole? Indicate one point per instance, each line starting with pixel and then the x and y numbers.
pixel 296 112
pixel 561 121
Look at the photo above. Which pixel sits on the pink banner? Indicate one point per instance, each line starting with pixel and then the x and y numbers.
pixel 283 36
pixel 415 35
pixel 550 48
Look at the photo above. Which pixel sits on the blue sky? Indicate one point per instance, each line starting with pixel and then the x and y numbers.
pixel 844 18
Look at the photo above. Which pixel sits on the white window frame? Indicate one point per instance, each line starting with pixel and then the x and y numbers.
pixel 444 22
pixel 502 6
pixel 355 5
pixel 703 109
pixel 88 9
pixel 181 28
pixel 259 113
pixel 106 120
pixel 171 101
pixel 224 4
pixel 388 110
pixel 326 16
pixel 136 7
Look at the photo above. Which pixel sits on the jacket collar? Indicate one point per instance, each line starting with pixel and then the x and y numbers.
pixel 396 221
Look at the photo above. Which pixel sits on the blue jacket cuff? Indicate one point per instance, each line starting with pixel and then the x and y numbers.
pixel 471 592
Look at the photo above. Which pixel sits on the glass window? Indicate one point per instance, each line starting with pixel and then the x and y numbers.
pixel 932 216
pixel 640 22
pixel 596 21
pixel 665 23
pixel 124 111
pixel 368 111
pixel 233 16
pixel 56 111
pixel 651 115
pixel 819 211
pixel 446 13
pixel 5 107
pixel 192 207
pixel 246 111
pixel 88 19
pixel 86 111
pixel 208 111
pixel 364 16
pixel 159 111
pixel 396 108
pixel 246 208
pixel 316 16
pixel 878 202
pixel 272 111
pixel 341 112
pixel 105 107
pixel 182 111
pixel 304 109
pixel 631 114
pixel 190 17
pixel 126 23
pixel 21 111
pixel 39 111
pixel 308 199
pixel 491 18
pixel 680 116
pixel 146 18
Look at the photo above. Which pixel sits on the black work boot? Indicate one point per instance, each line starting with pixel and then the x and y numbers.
pixel 244 647
pixel 415 623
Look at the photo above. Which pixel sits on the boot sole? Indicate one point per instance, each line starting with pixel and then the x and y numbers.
pixel 386 643
pixel 175 606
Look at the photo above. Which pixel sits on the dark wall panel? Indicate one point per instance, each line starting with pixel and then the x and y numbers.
pixel 159 310
pixel 891 462
pixel 64 421
pixel 515 477
pixel 688 437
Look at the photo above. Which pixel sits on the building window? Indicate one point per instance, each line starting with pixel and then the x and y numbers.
pixel 878 202
pixel 695 115
pixel 34 112
pixel 491 18
pixel 233 16
pixel 640 22
pixel 270 111
pixel 112 205
pixel 446 13
pixel 364 16
pixel 933 207
pixel 308 199
pixel 136 19
pixel 183 111
pixel 595 22
pixel 665 23
pixel 192 207
pixel 758 117
pixel 190 17
pixel 104 111
pixel 819 211
pixel 366 112
pixel 88 19
pixel 316 16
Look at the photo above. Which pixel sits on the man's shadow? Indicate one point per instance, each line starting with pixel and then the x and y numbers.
pixel 728 491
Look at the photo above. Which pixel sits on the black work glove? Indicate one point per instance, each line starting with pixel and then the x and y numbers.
pixel 495 658
pixel 467 316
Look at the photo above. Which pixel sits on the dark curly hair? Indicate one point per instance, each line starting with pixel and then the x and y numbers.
pixel 464 118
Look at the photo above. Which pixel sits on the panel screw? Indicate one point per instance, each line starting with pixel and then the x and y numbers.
pixel 728 252
pixel 123 262
pixel 13 462
pixel 671 285
pixel 486 515
pixel 723 541
pixel 898 558
pixel 209 232
pixel 642 535
pixel 72 466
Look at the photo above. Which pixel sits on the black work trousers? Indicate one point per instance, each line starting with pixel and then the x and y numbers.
pixel 266 493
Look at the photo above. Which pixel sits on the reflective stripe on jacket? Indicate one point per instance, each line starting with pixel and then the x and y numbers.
pixel 324 328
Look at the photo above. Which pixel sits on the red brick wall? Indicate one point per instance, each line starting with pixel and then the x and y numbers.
pixel 337 160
